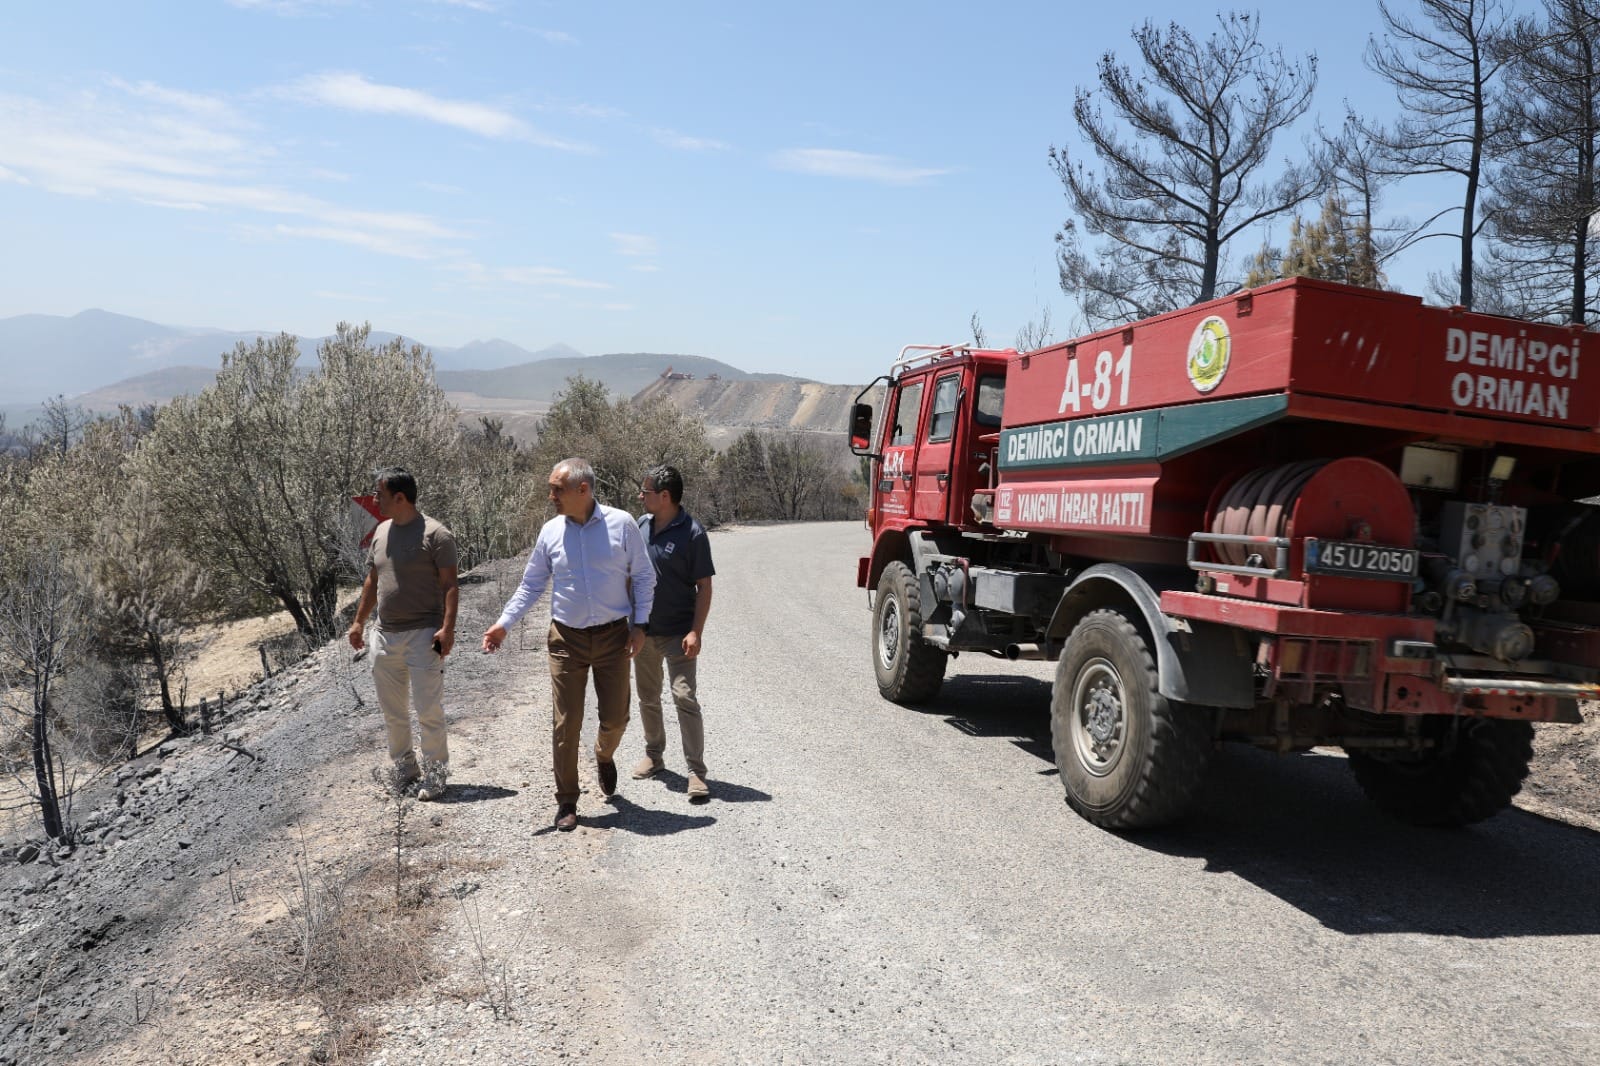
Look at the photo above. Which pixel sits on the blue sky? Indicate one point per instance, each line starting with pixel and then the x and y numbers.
pixel 790 188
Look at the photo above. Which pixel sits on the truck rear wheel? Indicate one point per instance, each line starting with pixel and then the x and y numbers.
pixel 1474 771
pixel 1129 758
pixel 908 670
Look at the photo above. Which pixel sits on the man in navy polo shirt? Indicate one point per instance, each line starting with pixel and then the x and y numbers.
pixel 681 556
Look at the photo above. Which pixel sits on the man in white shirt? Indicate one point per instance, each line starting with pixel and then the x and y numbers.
pixel 595 560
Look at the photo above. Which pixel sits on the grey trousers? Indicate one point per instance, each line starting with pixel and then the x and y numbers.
pixel 647 672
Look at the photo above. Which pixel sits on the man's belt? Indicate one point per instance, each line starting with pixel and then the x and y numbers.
pixel 596 629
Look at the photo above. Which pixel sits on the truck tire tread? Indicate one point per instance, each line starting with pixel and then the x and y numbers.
pixel 1171 764
pixel 1466 782
pixel 918 669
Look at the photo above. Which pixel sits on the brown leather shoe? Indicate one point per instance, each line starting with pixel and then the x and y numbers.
pixel 647 767
pixel 608 777
pixel 698 790
pixel 567 817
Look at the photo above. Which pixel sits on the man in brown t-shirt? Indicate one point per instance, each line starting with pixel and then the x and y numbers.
pixel 411 579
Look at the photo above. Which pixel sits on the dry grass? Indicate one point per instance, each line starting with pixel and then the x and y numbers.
pixel 346 943
pixel 227 657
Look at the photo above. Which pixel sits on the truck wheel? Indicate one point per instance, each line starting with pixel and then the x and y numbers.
pixel 1475 770
pixel 1129 758
pixel 908 670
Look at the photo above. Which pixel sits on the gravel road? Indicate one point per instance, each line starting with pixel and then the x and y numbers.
pixel 869 883
pixel 878 884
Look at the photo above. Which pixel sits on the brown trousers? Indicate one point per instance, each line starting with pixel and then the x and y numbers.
pixel 573 654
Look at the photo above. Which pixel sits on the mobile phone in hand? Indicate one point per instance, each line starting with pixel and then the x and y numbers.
pixel 438 649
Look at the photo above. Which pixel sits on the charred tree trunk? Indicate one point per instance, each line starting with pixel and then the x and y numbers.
pixel 44 774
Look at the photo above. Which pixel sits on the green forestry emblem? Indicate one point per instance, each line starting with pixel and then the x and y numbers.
pixel 1209 349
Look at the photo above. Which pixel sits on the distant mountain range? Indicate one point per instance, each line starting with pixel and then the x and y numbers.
pixel 100 360
pixel 624 374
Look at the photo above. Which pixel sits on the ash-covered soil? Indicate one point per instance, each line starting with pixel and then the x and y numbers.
pixel 1565 779
pixel 172 932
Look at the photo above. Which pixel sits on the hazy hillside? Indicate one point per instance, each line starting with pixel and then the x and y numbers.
pixel 624 373
pixel 156 387
pixel 730 408
pixel 791 405
pixel 102 360
pixel 48 355
pixel 495 354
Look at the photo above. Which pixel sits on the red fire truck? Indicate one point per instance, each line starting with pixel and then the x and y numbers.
pixel 1302 515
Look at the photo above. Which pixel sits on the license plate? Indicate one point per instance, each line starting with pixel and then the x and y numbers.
pixel 1345 559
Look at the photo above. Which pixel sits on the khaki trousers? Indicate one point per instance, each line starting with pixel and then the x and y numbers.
pixel 406 658
pixel 681 673
pixel 573 654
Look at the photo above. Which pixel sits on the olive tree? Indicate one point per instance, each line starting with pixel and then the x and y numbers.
pixel 490 499
pixel 146 592
pixel 256 472
pixel 785 477
pixel 621 438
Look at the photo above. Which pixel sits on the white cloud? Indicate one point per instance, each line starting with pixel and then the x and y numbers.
pixel 532 277
pixel 349 297
pixel 146 144
pixel 541 277
pixel 548 36
pixel 212 108
pixel 599 112
pixel 173 205
pixel 289 8
pixel 352 92
pixel 683 142
pixel 11 175
pixel 859 166
pixel 634 244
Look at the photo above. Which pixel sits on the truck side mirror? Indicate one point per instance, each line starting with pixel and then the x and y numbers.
pixel 861 428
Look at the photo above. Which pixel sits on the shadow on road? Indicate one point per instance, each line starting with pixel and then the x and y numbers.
pixel 990 705
pixel 721 791
pixel 462 793
pixel 632 818
pixel 1299 828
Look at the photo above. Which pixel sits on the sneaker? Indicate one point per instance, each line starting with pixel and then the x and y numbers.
pixel 395 780
pixel 403 777
pixel 608 777
pixel 567 817
pixel 647 767
pixel 698 789
pixel 433 782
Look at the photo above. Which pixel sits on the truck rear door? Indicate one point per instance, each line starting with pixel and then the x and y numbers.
pixel 932 500
pixel 898 471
